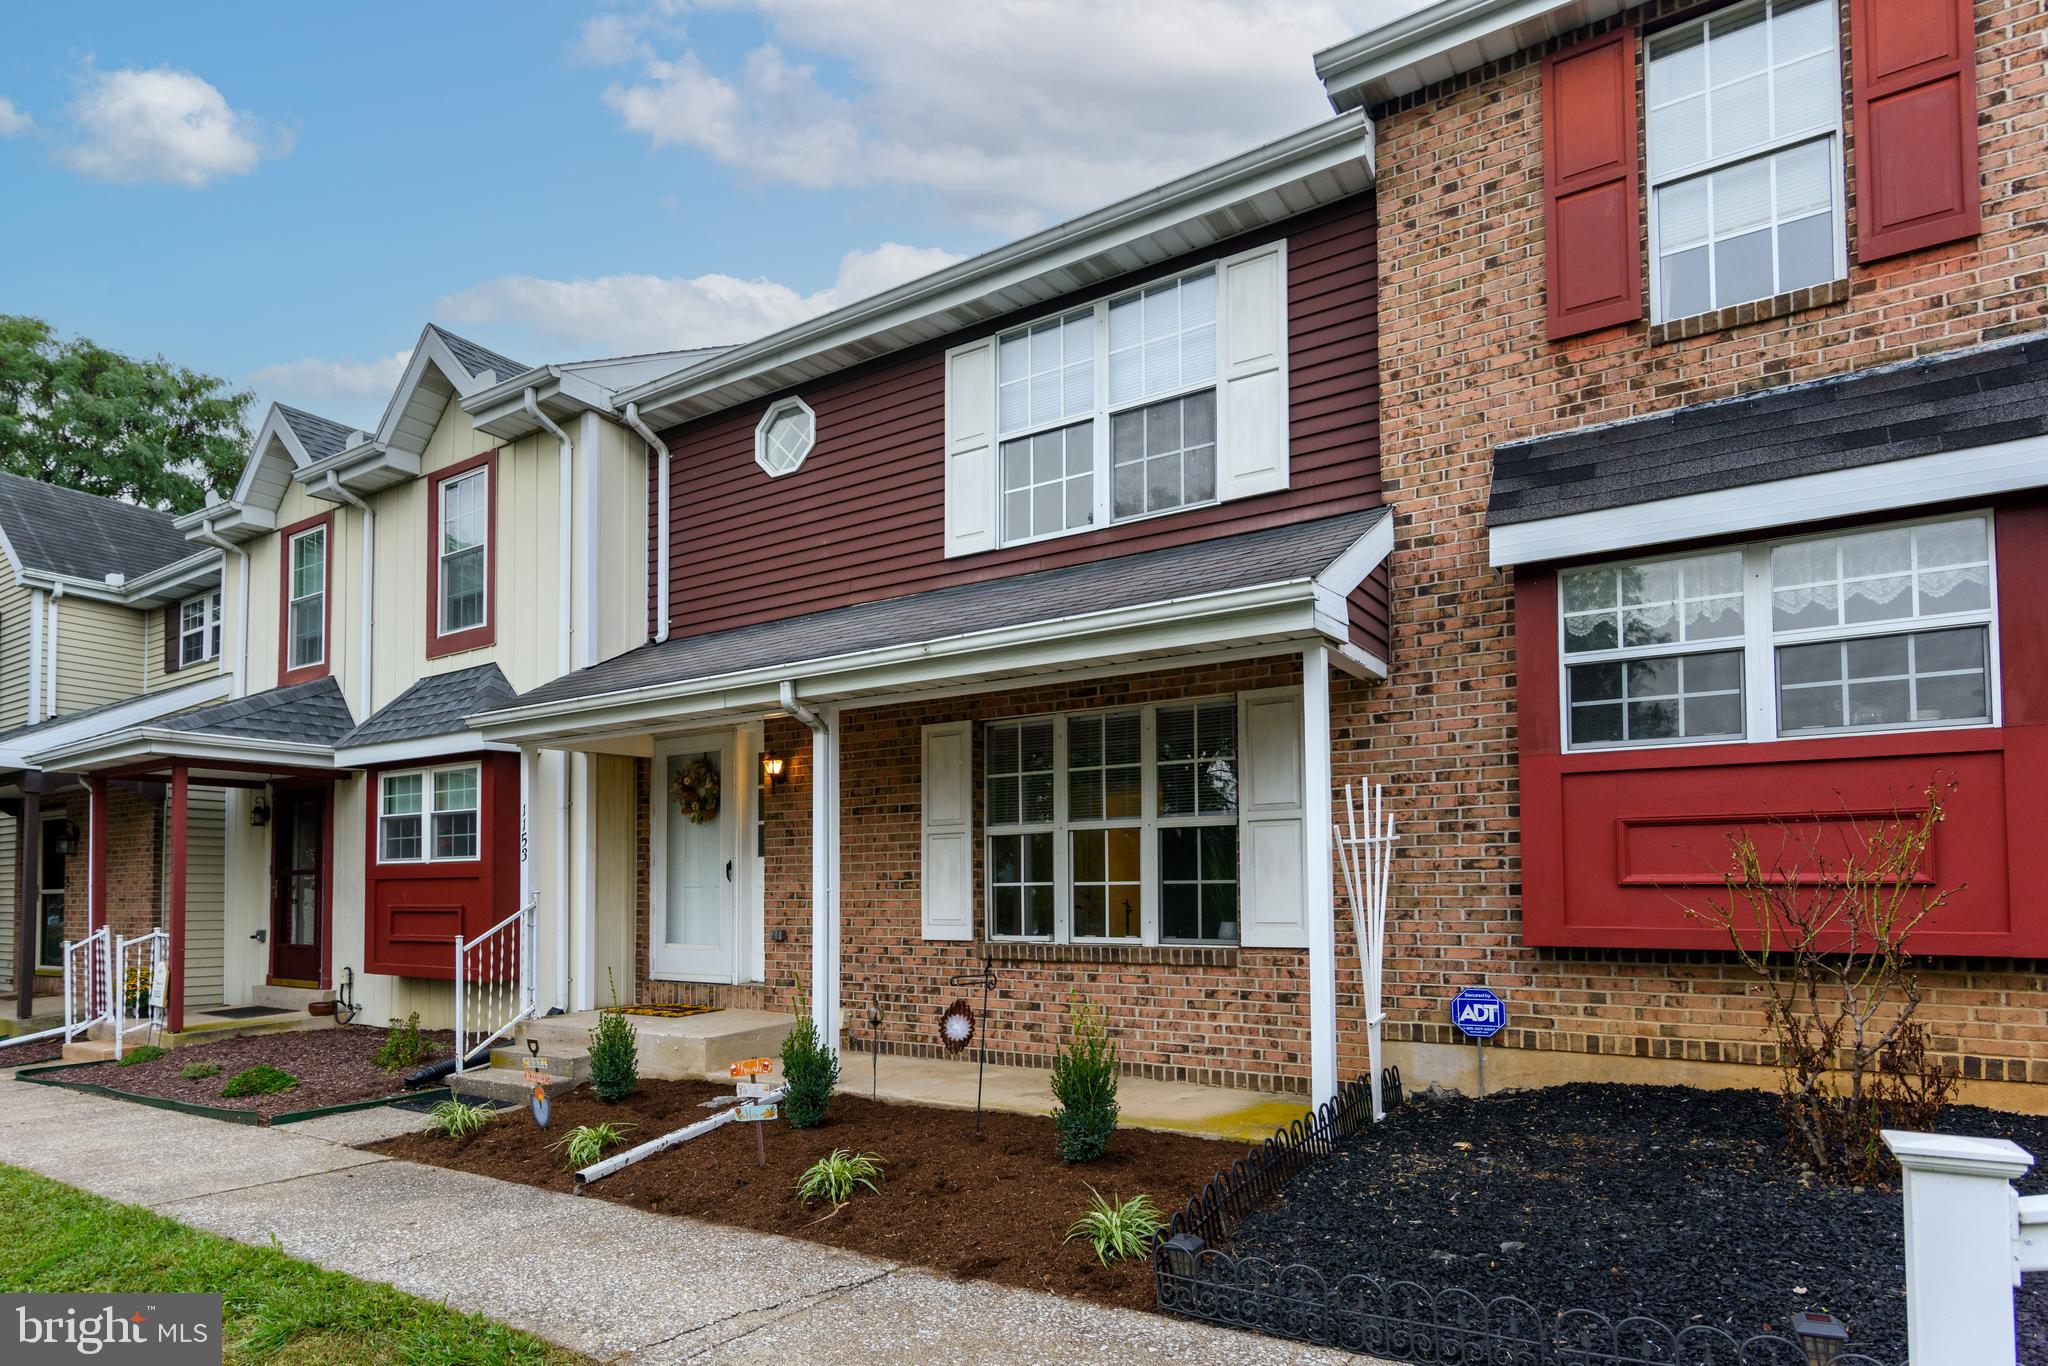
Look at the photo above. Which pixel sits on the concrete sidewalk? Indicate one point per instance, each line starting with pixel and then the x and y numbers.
pixel 603 1279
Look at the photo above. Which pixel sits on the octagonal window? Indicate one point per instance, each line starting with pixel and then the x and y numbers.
pixel 785 436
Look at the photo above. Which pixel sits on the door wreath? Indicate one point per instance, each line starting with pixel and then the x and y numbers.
pixel 694 790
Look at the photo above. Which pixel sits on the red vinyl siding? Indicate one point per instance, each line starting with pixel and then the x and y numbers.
pixel 1592 244
pixel 1616 843
pixel 1371 611
pixel 1916 124
pixel 864 517
pixel 415 910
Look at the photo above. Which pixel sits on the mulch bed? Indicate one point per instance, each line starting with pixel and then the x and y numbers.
pixel 1676 1204
pixel 333 1067
pixel 992 1207
pixel 30 1054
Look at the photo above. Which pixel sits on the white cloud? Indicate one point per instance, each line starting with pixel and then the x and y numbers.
pixel 343 390
pixel 622 314
pixel 164 126
pixel 621 36
pixel 13 122
pixel 1012 112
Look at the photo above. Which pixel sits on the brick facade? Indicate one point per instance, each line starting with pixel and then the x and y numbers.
pixel 135 861
pixel 1464 366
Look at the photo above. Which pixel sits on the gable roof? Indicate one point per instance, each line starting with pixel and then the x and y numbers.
pixel 433 706
pixel 54 530
pixel 478 360
pixel 320 437
pixel 304 713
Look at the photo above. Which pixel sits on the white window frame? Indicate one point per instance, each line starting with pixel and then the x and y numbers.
pixel 442 553
pixel 777 410
pixel 1759 642
pixel 1655 181
pixel 1149 823
pixel 208 630
pixel 1102 412
pixel 428 810
pixel 293 598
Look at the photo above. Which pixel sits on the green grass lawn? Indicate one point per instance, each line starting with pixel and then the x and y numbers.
pixel 56 1238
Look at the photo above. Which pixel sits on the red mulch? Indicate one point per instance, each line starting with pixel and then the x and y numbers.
pixel 993 1206
pixel 333 1067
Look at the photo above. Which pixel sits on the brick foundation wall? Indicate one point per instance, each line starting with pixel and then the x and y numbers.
pixel 1465 365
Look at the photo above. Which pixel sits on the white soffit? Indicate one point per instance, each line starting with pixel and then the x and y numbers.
pixel 1438 41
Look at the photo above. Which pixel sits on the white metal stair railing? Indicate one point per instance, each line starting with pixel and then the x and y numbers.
pixel 1365 847
pixel 138 981
pixel 87 976
pixel 494 982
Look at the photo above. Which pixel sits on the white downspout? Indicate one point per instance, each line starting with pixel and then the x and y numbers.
pixel 206 535
pixel 824 862
pixel 50 639
pixel 586 567
pixel 35 656
pixel 564 537
pixel 369 614
pixel 658 453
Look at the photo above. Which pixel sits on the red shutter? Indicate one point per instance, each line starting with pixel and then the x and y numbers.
pixel 1916 124
pixel 1594 255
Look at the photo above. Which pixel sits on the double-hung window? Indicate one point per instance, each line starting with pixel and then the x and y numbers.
pixel 1886 628
pixel 462 545
pixel 429 815
pixel 1116 826
pixel 199 629
pixel 1108 412
pixel 1745 159
pixel 306 615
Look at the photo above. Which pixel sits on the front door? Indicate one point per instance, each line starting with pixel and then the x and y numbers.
pixel 298 845
pixel 692 934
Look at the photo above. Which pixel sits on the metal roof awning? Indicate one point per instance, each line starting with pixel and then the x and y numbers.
pixel 1255 592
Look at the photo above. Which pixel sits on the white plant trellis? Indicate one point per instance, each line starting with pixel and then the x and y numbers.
pixel 1365 849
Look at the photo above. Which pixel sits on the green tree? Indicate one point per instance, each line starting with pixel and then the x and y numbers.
pixel 77 414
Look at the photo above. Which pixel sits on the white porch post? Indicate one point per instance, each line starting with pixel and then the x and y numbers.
pixel 1318 885
pixel 825 876
pixel 1960 1264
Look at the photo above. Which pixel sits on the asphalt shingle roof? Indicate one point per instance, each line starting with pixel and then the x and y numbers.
pixel 1277 555
pixel 433 706
pixel 1973 397
pixel 320 437
pixel 62 531
pixel 477 359
pixel 305 713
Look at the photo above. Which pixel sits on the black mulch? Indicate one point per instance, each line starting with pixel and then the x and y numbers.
pixel 1677 1204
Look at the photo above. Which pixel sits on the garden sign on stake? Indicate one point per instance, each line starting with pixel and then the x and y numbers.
pixel 957 1026
pixel 537 1077
pixel 756 1105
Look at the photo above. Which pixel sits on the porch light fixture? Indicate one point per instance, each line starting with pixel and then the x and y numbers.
pixel 65 842
pixel 1821 1336
pixel 259 814
pixel 771 767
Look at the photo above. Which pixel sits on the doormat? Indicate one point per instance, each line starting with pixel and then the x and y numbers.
pixel 662 1012
pixel 247 1012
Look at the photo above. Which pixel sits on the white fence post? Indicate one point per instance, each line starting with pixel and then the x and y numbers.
pixel 1962 1224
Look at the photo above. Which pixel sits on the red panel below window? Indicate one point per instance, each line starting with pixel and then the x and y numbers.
pixel 415 910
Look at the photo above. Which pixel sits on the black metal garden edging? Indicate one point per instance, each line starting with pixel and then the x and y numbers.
pixel 1401 1320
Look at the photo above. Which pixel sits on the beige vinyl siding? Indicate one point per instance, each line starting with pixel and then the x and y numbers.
pixel 155 678
pixel 622 559
pixel 16 604
pixel 205 895
pixel 99 653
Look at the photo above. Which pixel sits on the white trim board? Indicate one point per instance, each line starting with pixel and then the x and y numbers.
pixel 1916 482
pixel 422 749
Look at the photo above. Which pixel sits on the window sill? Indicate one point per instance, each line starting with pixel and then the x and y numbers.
pixel 1164 955
pixel 1756 311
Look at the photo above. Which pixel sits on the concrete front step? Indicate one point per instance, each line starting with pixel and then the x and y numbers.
pixel 504 1085
pixel 699 1047
pixel 573 1063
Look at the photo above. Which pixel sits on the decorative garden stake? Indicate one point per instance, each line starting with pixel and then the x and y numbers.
pixel 1365 847
pixel 874 1051
pixel 536 1077
pixel 987 978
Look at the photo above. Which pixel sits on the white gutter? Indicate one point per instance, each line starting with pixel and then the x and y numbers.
pixel 369 612
pixel 658 453
pixel 206 535
pixel 563 535
pixel 35 656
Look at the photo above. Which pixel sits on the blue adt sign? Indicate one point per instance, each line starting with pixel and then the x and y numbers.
pixel 1478 1013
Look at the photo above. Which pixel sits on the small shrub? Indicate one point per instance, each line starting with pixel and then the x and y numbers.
pixel 809 1071
pixel 1084 1078
pixel 404 1046
pixel 199 1071
pixel 1118 1231
pixel 264 1080
pixel 149 1052
pixel 586 1143
pixel 614 1054
pixel 457 1119
pixel 837 1176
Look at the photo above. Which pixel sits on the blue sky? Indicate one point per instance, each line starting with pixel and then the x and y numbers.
pixel 283 194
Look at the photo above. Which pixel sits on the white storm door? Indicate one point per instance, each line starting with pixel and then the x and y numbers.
pixel 691 937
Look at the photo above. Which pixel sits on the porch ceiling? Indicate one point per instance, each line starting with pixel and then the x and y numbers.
pixel 1256 592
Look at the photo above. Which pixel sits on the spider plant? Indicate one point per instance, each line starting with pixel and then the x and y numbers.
pixel 1117 1231
pixel 455 1119
pixel 837 1175
pixel 586 1143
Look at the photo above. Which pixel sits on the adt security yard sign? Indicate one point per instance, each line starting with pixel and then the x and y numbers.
pixel 1479 1015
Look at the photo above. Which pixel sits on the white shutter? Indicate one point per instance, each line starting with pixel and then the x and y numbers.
pixel 1252 455
pixel 970 448
pixel 948 803
pixel 1269 814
